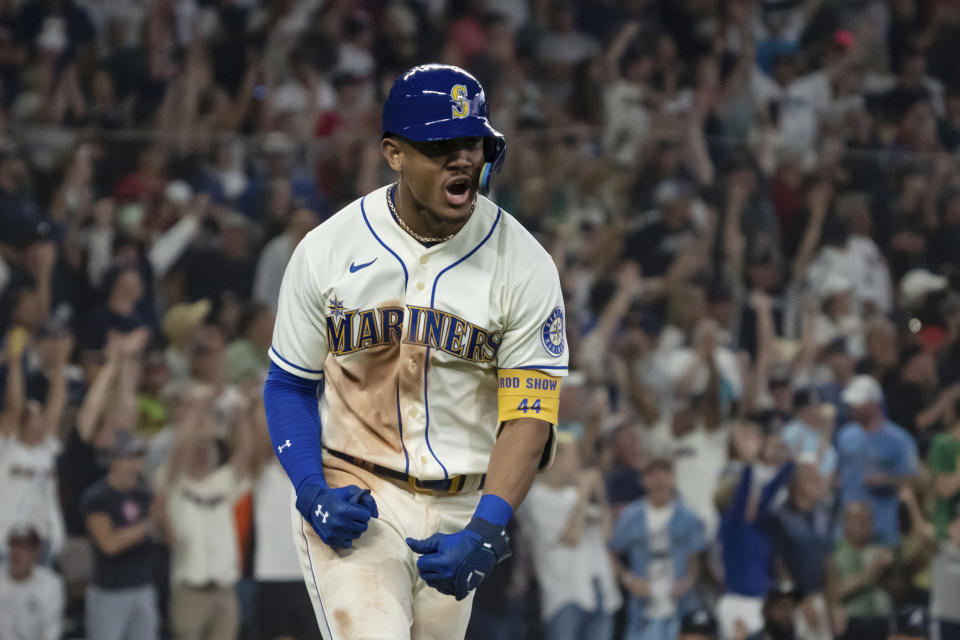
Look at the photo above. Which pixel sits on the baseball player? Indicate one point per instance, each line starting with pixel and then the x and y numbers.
pixel 416 366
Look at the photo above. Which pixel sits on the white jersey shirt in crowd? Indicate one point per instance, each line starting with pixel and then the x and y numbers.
pixel 567 573
pixel 31 609
pixel 204 548
pixel 28 490
pixel 409 340
pixel 274 556
pixel 660 575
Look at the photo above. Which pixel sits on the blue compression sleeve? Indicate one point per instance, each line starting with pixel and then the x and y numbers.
pixel 294 421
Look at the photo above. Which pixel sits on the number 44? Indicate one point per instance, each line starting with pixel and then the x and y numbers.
pixel 533 407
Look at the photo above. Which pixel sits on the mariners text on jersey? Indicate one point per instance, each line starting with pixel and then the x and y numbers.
pixel 349 331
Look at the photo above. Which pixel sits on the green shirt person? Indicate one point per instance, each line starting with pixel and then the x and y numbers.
pixel 856 567
pixel 944 464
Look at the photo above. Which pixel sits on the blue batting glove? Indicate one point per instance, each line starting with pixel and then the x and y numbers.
pixel 455 563
pixel 338 516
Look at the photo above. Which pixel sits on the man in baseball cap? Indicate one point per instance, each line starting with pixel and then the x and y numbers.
pixel 778 612
pixel 31 596
pixel 877 457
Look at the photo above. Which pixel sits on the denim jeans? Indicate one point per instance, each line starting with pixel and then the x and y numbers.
pixel 658 629
pixel 573 623
pixel 122 614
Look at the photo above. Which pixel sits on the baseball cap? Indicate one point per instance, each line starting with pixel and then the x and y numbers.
pixel 833 285
pixel 181 318
pixel 911 621
pixel 862 390
pixel 23 534
pixel 126 444
pixel 700 621
pixel 178 192
pixel 917 283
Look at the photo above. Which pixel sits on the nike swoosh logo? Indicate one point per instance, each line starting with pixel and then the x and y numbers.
pixel 356 267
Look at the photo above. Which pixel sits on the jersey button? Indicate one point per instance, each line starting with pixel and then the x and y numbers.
pixel 424 259
pixel 421 286
pixel 423 459
pixel 412 412
pixel 411 365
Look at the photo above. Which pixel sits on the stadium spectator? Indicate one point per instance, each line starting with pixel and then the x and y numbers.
pixel 120 515
pixel 246 356
pixel 29 444
pixel 858 603
pixel 124 289
pixel 802 538
pixel 744 534
pixel 943 461
pixel 568 519
pixel 877 457
pixel 282 607
pixel 914 399
pixel 276 253
pixel 811 431
pixel 658 540
pixel 779 612
pixel 181 324
pixel 624 479
pixel 223 266
pixel 198 497
pixel 31 595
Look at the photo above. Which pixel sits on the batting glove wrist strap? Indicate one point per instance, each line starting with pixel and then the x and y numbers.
pixel 493 538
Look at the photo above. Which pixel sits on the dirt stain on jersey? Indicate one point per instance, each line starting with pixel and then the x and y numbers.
pixel 343 623
pixel 361 391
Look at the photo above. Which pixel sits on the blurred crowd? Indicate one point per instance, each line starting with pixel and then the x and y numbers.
pixel 754 207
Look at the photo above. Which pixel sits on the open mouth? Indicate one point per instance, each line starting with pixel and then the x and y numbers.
pixel 458 191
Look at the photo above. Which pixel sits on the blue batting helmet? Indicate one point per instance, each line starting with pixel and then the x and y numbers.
pixel 441 102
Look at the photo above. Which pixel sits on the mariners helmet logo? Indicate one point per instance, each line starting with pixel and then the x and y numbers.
pixel 551 334
pixel 461 105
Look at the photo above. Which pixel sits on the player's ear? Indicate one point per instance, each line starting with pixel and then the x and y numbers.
pixel 392 152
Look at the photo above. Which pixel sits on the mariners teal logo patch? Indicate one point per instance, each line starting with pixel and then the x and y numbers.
pixel 551 334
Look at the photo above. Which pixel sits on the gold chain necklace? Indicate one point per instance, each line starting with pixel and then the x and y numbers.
pixel 416 236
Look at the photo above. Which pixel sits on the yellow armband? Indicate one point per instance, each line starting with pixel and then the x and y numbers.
pixel 526 393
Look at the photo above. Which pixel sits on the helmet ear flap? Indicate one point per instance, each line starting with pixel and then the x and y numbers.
pixel 494 150
pixel 485 174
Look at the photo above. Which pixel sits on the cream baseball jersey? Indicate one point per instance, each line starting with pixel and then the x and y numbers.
pixel 423 351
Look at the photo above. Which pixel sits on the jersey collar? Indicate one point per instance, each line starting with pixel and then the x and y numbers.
pixel 398 240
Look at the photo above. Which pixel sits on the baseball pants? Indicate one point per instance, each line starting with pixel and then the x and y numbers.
pixel 373 591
